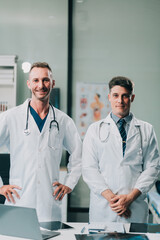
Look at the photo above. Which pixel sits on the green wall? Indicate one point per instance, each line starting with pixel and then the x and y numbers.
pixel 110 37
pixel 120 37
pixel 36 30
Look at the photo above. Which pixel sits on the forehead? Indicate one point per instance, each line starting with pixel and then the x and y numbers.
pixel 120 90
pixel 38 72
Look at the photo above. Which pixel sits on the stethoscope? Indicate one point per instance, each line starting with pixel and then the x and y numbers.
pixel 27 130
pixel 104 132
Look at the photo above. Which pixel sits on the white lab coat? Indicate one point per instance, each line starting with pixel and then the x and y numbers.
pixel 34 165
pixel 104 167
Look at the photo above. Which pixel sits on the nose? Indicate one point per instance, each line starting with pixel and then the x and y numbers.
pixel 120 99
pixel 40 84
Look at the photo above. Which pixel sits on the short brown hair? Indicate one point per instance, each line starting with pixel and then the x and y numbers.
pixel 41 65
pixel 123 82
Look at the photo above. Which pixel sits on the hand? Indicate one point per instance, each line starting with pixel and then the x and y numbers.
pixel 108 195
pixel 126 214
pixel 120 204
pixel 60 190
pixel 8 191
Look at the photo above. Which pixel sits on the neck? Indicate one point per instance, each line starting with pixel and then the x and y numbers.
pixel 41 107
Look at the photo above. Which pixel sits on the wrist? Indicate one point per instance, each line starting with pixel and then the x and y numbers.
pixel 108 194
pixel 133 195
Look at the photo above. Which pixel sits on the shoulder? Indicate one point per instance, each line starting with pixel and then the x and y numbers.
pixel 60 114
pixel 94 128
pixel 62 117
pixel 142 123
pixel 18 109
pixel 145 127
pixel 12 111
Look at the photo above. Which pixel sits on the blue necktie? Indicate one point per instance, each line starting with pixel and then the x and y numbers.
pixel 123 133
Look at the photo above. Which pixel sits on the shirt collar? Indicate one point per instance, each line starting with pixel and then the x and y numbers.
pixel 127 119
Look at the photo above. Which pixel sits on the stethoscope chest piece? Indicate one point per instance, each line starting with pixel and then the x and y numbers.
pixel 27 132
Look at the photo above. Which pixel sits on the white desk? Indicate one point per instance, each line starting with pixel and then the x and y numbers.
pixel 69 234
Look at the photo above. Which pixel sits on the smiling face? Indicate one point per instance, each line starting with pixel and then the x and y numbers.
pixel 120 99
pixel 40 83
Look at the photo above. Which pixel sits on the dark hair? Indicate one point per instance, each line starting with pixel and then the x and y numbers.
pixel 123 82
pixel 40 65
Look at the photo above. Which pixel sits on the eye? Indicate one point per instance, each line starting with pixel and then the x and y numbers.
pixel 125 96
pixel 46 80
pixel 115 95
pixel 35 80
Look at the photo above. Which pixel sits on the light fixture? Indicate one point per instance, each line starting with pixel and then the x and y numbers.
pixel 26 67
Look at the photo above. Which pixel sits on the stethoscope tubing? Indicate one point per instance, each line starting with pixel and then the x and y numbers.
pixel 27 131
pixel 106 139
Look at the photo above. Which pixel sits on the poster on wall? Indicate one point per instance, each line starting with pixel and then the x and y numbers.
pixel 91 104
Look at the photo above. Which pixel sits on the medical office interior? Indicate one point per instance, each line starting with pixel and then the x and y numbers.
pixel 85 41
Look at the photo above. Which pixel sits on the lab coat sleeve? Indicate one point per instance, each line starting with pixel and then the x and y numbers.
pixel 90 166
pixel 4 130
pixel 151 165
pixel 73 144
pixel 4 135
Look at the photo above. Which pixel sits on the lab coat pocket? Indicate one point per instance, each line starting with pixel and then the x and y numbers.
pixel 54 138
pixel 137 163
pixel 111 176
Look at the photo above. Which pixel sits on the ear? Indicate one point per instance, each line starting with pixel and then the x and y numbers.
pixel 53 83
pixel 132 97
pixel 109 97
pixel 28 84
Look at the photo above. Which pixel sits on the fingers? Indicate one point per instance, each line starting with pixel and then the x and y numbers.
pixel 56 184
pixel 15 193
pixel 9 197
pixel 115 199
pixel 127 213
pixel 60 191
pixel 9 191
pixel 58 188
pixel 119 210
pixel 15 186
pixel 60 195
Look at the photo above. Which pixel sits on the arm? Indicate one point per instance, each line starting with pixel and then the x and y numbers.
pixel 4 130
pixel 90 163
pixel 72 143
pixel 151 163
pixel 8 191
pixel 146 179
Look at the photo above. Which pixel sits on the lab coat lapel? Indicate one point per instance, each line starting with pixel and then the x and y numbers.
pixel 32 126
pixel 113 127
pixel 133 129
pixel 48 120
